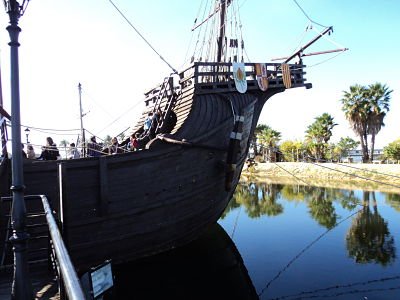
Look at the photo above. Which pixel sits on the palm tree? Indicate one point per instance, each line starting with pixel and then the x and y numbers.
pixel 319 133
pixel 379 96
pixel 369 239
pixel 365 108
pixel 355 107
pixel 345 145
pixel 269 139
pixel 320 202
pixel 269 195
pixel 64 143
pixel 257 131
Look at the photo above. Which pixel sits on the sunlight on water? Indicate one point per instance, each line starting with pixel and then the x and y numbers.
pixel 300 242
pixel 281 242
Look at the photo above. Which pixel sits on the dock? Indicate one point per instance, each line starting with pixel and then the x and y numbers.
pixel 44 282
pixel 47 256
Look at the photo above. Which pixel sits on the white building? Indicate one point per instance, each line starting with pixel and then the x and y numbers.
pixel 356 156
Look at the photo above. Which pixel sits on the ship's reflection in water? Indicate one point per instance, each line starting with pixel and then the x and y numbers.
pixel 294 242
pixel 208 268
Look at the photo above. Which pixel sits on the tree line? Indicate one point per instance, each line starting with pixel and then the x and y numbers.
pixel 365 108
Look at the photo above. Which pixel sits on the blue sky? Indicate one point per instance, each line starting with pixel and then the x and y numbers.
pixel 76 41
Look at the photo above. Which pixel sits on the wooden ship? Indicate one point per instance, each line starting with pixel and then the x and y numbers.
pixel 210 267
pixel 135 204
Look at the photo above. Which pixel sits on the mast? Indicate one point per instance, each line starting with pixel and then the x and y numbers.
pixel 83 142
pixel 221 38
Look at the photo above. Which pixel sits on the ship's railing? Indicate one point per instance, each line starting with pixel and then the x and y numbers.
pixel 208 77
pixel 163 90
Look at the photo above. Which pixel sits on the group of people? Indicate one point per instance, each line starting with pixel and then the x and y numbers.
pixel 49 151
pixel 139 139
pixel 30 152
pixel 135 142
pixel 130 144
pixel 151 123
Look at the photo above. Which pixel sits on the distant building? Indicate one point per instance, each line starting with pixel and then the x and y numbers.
pixel 356 156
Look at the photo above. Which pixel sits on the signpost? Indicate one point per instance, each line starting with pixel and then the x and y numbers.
pixel 98 281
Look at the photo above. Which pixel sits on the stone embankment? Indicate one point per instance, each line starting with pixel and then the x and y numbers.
pixel 378 177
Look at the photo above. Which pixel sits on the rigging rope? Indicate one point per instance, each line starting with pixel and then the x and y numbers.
pixel 97 137
pixel 347 173
pixel 381 173
pixel 304 250
pixel 242 3
pixel 95 102
pixel 357 292
pixel 328 39
pixel 206 45
pixel 49 129
pixel 328 59
pixel 354 175
pixel 308 16
pixel 144 39
pixel 302 37
pixel 236 222
pixel 116 119
pixel 335 287
pixel 292 174
pixel 124 113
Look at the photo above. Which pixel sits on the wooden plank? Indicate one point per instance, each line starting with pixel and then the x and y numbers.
pixel 103 174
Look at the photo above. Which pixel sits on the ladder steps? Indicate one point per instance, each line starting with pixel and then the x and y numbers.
pixel 39 237
pixel 30 215
pixel 38 250
pixel 36 227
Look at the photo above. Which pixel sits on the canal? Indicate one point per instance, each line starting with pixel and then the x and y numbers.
pixel 281 242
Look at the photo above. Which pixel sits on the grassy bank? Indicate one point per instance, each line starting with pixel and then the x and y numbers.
pixel 377 177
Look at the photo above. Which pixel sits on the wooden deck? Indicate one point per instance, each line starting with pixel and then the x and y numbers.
pixel 44 283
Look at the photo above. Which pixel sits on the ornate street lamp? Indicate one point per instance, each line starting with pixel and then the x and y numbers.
pixel 21 286
pixel 27 132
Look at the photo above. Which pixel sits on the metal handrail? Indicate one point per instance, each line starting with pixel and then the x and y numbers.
pixel 69 276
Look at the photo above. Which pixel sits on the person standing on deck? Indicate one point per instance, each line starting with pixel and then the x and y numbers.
pixel 30 152
pixel 50 151
pixel 155 120
pixel 147 123
pixel 94 149
pixel 73 152
pixel 133 144
pixel 114 148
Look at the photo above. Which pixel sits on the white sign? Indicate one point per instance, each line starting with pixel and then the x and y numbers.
pixel 102 280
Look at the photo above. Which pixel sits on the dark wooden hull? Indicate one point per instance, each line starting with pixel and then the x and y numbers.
pixel 210 267
pixel 131 205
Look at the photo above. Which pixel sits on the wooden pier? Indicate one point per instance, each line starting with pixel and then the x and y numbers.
pixel 44 282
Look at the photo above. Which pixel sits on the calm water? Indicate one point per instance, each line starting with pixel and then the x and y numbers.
pixel 282 242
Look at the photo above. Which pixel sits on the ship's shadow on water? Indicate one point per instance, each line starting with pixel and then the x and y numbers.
pixel 208 268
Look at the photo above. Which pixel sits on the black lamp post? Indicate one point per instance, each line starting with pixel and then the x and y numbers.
pixel 27 132
pixel 21 286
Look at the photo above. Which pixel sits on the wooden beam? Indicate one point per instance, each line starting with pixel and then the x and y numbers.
pixel 4 113
pixel 298 52
pixel 314 53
